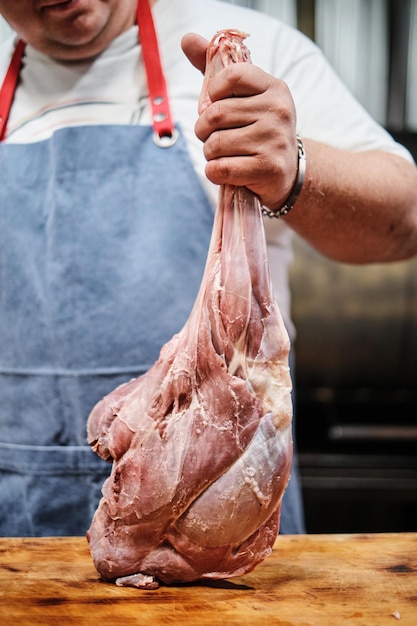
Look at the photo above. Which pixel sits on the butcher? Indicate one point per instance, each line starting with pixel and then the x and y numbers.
pixel 108 188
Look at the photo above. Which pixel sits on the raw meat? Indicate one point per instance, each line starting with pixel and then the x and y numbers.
pixel 201 444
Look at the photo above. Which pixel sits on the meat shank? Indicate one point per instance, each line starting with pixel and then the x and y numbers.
pixel 201 444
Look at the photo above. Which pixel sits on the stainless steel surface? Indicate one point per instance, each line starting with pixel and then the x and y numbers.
pixel 356 325
pixel 356 393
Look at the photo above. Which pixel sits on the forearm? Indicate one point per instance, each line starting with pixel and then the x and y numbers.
pixel 354 207
pixel 357 207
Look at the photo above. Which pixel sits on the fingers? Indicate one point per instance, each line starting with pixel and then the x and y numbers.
pixel 239 79
pixel 248 127
pixel 249 133
pixel 269 172
pixel 195 47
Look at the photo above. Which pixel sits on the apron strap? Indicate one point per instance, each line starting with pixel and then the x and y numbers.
pixel 165 133
pixel 9 85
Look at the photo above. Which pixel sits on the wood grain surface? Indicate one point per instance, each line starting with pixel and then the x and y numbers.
pixel 308 580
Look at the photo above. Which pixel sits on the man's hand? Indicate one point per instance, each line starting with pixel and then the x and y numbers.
pixel 248 128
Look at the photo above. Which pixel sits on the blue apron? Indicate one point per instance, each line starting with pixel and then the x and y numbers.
pixel 103 242
pixel 101 260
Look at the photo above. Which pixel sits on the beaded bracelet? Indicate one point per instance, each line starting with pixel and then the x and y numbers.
pixel 295 192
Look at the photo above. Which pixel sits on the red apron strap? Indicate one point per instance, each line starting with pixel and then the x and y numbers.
pixel 165 132
pixel 163 125
pixel 8 87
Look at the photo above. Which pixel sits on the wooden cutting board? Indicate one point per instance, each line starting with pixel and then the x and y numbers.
pixel 312 580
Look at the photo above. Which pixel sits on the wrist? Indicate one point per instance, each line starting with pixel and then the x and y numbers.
pixel 296 189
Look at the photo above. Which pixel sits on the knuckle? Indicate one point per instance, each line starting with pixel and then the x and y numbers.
pixel 213 146
pixel 218 171
pixel 224 169
pixel 214 115
pixel 285 115
pixel 229 73
pixel 200 129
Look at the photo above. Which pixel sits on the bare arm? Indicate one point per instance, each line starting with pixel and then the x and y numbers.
pixel 357 207
pixel 354 207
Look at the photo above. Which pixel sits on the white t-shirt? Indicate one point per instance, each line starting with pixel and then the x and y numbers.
pixel 112 89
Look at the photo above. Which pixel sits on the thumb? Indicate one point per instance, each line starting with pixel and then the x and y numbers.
pixel 195 47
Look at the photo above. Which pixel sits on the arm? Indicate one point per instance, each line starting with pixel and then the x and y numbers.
pixel 355 207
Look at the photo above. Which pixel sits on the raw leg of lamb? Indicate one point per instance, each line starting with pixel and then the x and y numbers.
pixel 201 444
